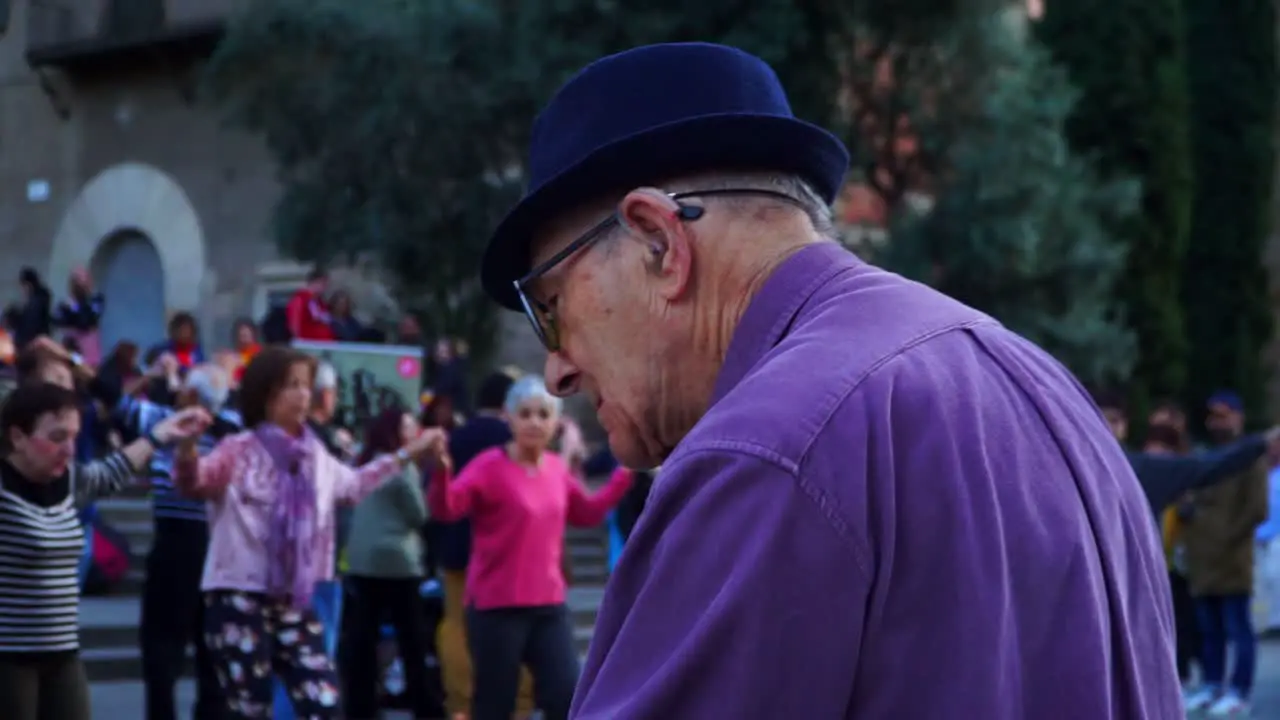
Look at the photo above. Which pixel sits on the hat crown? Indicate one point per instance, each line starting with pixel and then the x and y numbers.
pixel 647 87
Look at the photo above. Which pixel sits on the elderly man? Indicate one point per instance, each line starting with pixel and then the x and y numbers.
pixel 324 406
pixel 172 611
pixel 875 502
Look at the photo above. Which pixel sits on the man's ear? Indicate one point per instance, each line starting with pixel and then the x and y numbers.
pixel 651 217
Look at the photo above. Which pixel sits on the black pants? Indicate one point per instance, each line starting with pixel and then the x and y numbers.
pixel 500 640
pixel 1184 622
pixel 173 617
pixel 370 602
pixel 49 686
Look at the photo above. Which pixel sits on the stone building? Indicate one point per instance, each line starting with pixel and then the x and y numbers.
pixel 108 162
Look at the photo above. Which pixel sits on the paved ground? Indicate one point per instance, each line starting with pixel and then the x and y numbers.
pixel 116 701
pixel 113 701
pixel 1267 694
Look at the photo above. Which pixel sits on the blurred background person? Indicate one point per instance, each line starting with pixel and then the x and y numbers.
pixel 80 314
pixel 520 497
pixel 183 341
pixel 385 553
pixel 34 316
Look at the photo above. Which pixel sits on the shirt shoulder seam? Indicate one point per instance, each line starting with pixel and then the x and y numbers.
pixel 857 381
pixel 821 502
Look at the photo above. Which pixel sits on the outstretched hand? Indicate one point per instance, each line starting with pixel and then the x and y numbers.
pixel 431 443
pixel 183 425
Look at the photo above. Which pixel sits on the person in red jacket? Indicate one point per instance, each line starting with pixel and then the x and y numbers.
pixel 308 313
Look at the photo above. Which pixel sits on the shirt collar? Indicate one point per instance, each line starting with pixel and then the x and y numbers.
pixel 774 308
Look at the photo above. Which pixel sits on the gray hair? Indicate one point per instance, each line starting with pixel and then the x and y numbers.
pixel 211 384
pixel 326 377
pixel 793 186
pixel 531 387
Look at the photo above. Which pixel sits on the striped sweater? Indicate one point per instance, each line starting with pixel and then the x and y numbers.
pixel 137 417
pixel 41 541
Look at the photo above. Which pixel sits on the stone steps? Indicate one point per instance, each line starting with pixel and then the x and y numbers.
pixel 109 624
pixel 109 633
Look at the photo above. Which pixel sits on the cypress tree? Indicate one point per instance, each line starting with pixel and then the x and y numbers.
pixel 1231 50
pixel 1127 58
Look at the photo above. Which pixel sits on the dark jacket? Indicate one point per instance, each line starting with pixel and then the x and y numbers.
pixel 1165 478
pixel 632 505
pixel 1218 537
pixel 33 318
pixel 82 314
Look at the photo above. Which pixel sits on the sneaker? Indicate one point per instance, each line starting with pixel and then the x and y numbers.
pixel 1230 705
pixel 1199 699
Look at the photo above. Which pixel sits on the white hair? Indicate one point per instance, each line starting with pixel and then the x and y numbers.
pixel 211 384
pixel 326 377
pixel 531 387
pixel 793 186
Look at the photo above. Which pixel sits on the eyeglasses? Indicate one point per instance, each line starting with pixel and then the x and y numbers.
pixel 541 315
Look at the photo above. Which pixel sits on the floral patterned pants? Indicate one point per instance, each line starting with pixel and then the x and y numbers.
pixel 253 639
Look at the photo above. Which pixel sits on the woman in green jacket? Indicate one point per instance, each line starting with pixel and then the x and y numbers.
pixel 385 570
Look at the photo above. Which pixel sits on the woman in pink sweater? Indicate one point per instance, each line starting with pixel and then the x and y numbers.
pixel 519 498
pixel 272 491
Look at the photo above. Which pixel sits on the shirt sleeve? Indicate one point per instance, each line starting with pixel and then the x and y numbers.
pixel 452 498
pixel 137 417
pixel 688 630
pixel 102 477
pixel 207 477
pixel 587 509
pixel 351 485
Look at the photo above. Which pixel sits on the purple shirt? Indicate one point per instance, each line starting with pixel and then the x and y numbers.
pixel 894 508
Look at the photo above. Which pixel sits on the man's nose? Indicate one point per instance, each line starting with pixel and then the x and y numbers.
pixel 562 377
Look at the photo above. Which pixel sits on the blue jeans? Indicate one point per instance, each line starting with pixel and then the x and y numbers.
pixel 1226 619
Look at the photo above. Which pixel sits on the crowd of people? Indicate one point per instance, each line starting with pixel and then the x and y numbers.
pixel 874 502
pixel 260 498
pixel 1211 504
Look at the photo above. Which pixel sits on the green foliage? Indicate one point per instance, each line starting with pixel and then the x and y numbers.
pixel 399 126
pixel 398 129
pixel 1232 55
pixel 1021 227
pixel 1126 57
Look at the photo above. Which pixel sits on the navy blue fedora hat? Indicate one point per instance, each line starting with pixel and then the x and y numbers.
pixel 647 115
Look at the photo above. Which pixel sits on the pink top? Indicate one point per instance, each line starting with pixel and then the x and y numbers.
pixel 518 518
pixel 238 479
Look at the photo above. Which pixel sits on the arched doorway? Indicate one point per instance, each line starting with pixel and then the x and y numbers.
pixel 127 270
pixel 146 201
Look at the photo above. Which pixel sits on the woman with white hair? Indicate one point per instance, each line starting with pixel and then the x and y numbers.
pixel 519 498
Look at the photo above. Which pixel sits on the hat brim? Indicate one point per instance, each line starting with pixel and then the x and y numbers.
pixel 721 142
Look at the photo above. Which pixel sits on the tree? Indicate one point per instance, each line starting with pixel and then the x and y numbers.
pixel 400 126
pixel 1127 59
pixel 1234 94
pixel 398 130
pixel 1020 227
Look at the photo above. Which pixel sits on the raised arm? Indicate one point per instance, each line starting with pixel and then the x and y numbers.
pixel 454 498
pixel 102 477
pixel 1165 478
pixel 352 484
pixel 587 509
pixel 207 478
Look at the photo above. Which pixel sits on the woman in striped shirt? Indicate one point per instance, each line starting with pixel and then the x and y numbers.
pixel 41 491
